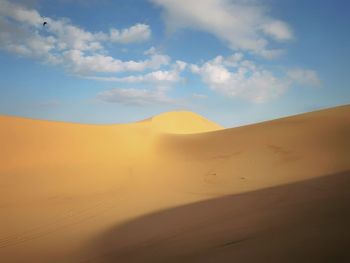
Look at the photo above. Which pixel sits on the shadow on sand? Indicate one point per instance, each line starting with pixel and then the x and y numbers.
pixel 307 221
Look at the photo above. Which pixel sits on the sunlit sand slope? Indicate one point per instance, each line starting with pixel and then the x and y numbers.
pixel 64 187
pixel 182 122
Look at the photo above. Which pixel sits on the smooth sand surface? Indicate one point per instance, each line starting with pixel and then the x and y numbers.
pixel 176 188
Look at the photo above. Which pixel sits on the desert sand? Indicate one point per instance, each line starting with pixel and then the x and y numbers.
pixel 176 188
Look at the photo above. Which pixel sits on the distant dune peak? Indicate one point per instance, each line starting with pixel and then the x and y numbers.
pixel 182 122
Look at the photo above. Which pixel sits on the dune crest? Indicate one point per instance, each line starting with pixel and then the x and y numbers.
pixel 182 122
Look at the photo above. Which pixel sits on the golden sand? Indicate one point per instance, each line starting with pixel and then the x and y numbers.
pixel 93 193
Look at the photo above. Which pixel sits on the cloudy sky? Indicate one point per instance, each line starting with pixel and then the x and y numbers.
pixel 112 61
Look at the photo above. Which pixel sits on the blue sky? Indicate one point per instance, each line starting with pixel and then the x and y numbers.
pixel 233 61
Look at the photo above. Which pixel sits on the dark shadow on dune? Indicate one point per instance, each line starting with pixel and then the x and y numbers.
pixel 302 222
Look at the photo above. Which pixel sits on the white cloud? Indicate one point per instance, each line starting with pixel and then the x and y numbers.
pixel 136 97
pixel 27 3
pixel 20 13
pixel 180 65
pixel 72 37
pixel 61 42
pixel 162 80
pixel 155 77
pixel 150 51
pixel 243 25
pixel 271 53
pixel 136 33
pixel 304 77
pixel 29 22
pixel 278 29
pixel 81 63
pixel 18 40
pixel 236 77
pixel 244 80
pixel 158 78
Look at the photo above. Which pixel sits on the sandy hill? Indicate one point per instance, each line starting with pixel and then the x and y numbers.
pixel 182 122
pixel 175 183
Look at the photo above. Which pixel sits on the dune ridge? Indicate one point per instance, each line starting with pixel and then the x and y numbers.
pixel 182 122
pixel 63 185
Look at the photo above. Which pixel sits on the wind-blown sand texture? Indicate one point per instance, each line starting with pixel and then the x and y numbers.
pixel 176 188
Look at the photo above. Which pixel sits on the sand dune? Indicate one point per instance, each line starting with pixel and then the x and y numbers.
pixel 301 222
pixel 65 188
pixel 182 122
